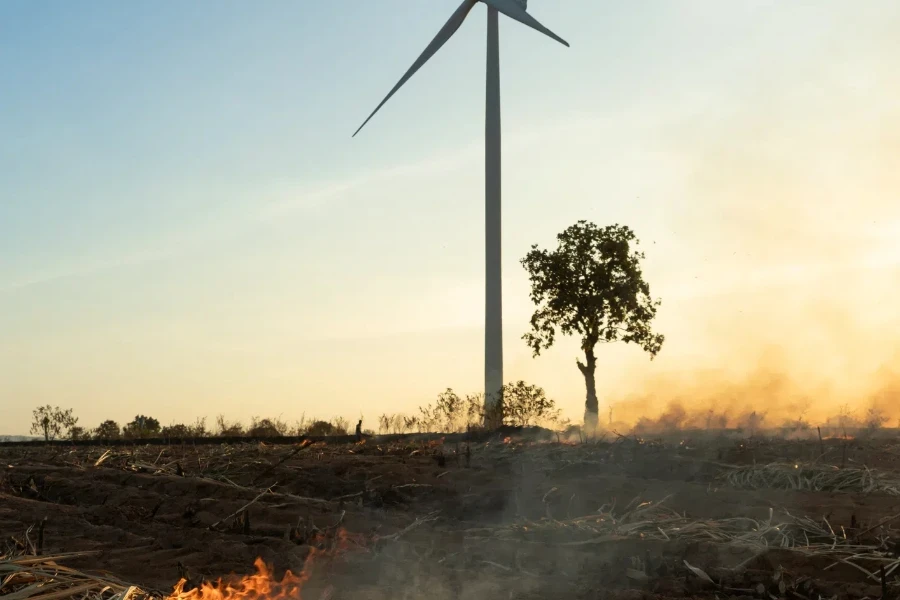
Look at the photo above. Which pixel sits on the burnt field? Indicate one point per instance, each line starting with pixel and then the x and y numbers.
pixel 687 516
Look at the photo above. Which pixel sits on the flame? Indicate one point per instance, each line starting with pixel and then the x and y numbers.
pixel 260 586
pixel 263 585
pixel 507 440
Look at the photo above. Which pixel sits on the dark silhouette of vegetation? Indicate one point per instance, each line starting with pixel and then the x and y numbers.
pixel 591 286
pixel 525 405
pixel 522 405
pixel 108 430
pixel 142 427
pixel 176 431
pixel 225 428
pixel 397 423
pixel 182 431
pixel 277 427
pixel 449 413
pixel 50 422
pixel 324 428
pixel 267 427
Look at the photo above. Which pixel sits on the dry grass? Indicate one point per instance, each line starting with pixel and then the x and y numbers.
pixel 818 478
pixel 654 521
pixel 25 577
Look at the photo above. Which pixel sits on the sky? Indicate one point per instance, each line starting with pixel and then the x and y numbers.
pixel 187 228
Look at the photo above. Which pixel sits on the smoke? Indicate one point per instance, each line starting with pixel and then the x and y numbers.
pixel 768 395
pixel 776 257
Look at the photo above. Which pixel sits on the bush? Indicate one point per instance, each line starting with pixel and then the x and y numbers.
pixel 178 431
pixel 182 431
pixel 522 405
pixel 450 413
pixel 267 427
pixel 142 427
pixel 341 426
pixel 525 405
pixel 875 419
pixel 320 428
pixel 337 426
pixel 228 429
pixel 50 421
pixel 107 430
pixel 397 423
pixel 198 429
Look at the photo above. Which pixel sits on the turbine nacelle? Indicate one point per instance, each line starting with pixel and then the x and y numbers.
pixel 514 9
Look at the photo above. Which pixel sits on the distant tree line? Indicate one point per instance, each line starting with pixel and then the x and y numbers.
pixel 54 423
pixel 523 404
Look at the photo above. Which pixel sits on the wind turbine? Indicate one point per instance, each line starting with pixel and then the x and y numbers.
pixel 493 304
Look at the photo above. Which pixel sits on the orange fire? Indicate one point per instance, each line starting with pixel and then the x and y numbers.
pixel 263 585
pixel 507 440
pixel 260 586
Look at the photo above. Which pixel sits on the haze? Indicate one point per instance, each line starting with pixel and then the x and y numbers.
pixel 187 229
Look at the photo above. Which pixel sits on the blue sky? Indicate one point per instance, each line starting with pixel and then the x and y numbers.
pixel 185 220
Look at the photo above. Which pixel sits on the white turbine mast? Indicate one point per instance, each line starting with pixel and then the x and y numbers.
pixel 493 315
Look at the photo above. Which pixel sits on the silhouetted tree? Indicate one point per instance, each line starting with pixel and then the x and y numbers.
pixel 176 431
pixel 525 404
pixel 266 427
pixel 591 286
pixel 341 426
pixel 225 428
pixel 50 421
pixel 142 427
pixel 183 431
pixel 107 430
pixel 198 429
pixel 449 411
pixel 322 428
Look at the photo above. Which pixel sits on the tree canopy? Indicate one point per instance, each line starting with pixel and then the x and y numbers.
pixel 142 427
pixel 50 421
pixel 592 286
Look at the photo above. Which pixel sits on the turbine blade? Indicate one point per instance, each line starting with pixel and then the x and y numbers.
pixel 514 10
pixel 446 32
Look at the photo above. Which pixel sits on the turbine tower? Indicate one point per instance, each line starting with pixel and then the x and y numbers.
pixel 493 289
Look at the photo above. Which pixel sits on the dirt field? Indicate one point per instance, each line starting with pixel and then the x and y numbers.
pixel 622 518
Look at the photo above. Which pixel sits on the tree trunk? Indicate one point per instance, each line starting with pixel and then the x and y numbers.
pixel 591 406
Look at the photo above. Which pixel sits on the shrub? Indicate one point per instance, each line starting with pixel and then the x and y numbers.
pixel 397 423
pixel 267 427
pixel 198 429
pixel 337 426
pixel 525 404
pixel 227 428
pixel 178 431
pixel 320 428
pixel 341 426
pixel 142 427
pixel 107 430
pixel 50 421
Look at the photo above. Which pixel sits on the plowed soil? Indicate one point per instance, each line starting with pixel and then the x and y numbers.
pixel 420 518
